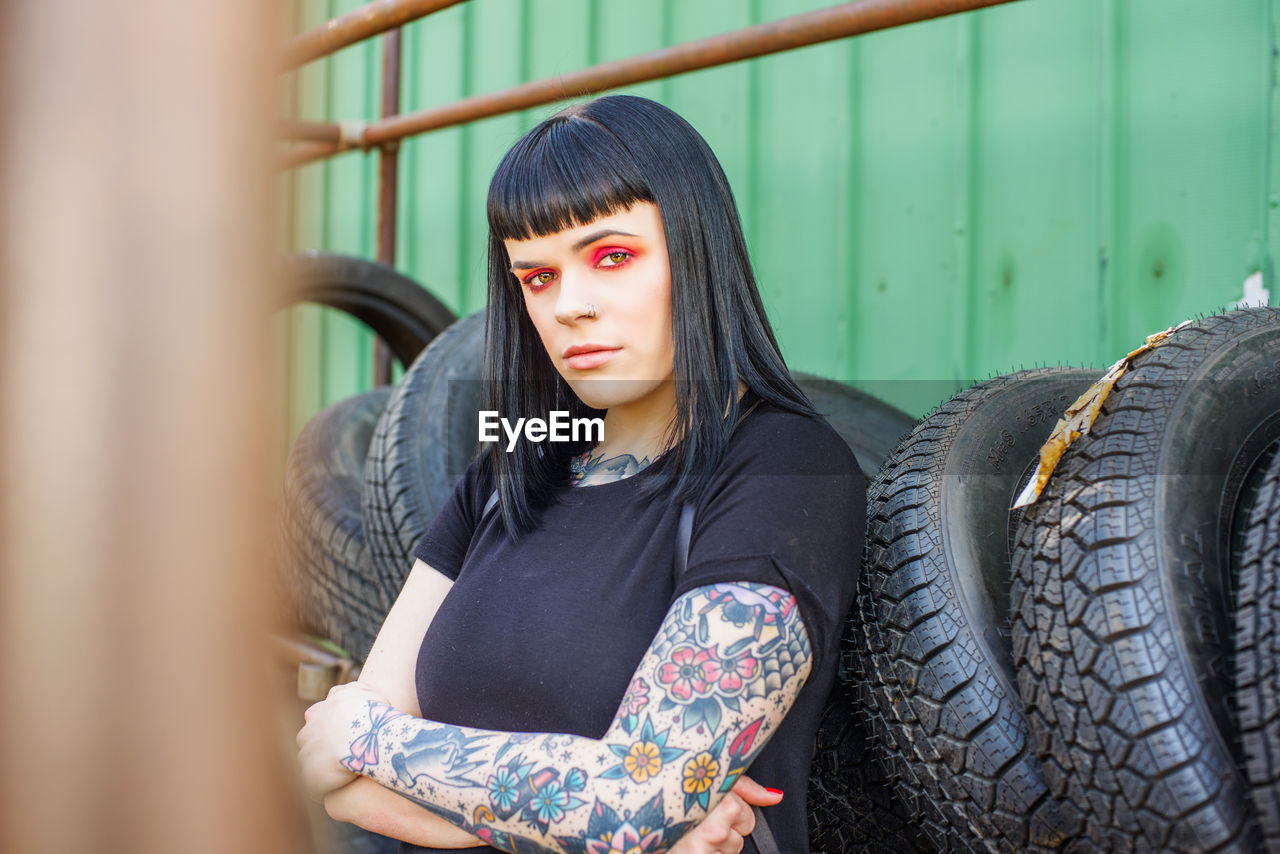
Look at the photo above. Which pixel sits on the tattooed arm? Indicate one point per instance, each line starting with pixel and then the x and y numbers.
pixel 723 671
pixel 389 671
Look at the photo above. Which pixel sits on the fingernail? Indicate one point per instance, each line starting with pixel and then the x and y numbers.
pixel 775 791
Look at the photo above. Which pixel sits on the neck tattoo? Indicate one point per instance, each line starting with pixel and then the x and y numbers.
pixel 599 467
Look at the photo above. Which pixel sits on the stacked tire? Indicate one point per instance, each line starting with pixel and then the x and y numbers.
pixel 327 566
pixel 930 630
pixel 1122 597
pixel 1257 653
pixel 1098 672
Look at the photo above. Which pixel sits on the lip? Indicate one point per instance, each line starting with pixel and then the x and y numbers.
pixel 583 357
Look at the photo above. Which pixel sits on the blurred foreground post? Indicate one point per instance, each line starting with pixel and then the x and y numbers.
pixel 136 235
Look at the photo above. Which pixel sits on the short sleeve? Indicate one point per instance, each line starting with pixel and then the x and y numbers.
pixel 444 546
pixel 787 507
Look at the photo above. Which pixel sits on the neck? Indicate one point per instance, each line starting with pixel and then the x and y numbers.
pixel 635 435
pixel 642 429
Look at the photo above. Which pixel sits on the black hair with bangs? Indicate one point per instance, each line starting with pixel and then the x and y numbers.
pixel 585 162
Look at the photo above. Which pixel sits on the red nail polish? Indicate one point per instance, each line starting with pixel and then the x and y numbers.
pixel 775 791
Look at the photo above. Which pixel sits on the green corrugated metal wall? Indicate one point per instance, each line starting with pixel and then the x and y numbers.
pixel 1047 181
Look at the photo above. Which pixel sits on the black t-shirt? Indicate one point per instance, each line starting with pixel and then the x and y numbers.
pixel 544 635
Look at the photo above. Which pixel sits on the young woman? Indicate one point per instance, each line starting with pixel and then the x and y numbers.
pixel 604 638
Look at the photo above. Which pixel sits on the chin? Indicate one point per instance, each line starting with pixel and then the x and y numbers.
pixel 606 393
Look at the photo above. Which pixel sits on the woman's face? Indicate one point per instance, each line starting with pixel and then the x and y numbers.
pixel 600 297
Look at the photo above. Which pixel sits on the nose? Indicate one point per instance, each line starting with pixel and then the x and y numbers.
pixel 572 303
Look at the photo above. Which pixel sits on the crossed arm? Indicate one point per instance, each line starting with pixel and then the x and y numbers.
pixel 722 672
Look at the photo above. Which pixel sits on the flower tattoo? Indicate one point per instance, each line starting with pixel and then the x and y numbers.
pixel 734 673
pixel 689 673
pixel 550 802
pixel 503 789
pixel 699 773
pixel 643 761
pixel 643 758
pixel 636 698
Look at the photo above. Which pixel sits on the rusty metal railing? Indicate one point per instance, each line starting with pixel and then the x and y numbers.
pixel 810 28
pixel 369 20
pixel 388 181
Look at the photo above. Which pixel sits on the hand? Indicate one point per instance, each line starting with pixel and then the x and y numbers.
pixel 328 738
pixel 722 831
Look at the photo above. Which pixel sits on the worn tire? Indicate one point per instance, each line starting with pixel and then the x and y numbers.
pixel 423 443
pixel 1120 595
pixel 397 309
pixel 851 806
pixel 327 562
pixel 934 602
pixel 1257 654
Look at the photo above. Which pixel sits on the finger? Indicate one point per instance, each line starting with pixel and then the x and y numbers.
pixel 739 815
pixel 712 836
pixel 691 843
pixel 317 793
pixel 753 793
pixel 343 688
pixel 314 795
pixel 714 833
pixel 308 781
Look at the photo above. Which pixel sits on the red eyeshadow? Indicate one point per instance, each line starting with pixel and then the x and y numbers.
pixel 609 250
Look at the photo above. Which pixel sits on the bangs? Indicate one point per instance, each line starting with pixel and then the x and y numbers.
pixel 566 173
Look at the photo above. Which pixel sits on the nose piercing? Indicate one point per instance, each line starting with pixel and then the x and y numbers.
pixel 591 310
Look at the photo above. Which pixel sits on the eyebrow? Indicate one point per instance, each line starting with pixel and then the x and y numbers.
pixel 579 244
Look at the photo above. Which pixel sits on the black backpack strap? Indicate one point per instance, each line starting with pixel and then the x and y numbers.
pixel 684 528
pixel 762 836
pixel 684 532
pixel 488 507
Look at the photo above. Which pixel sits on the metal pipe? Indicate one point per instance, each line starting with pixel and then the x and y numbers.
pixel 306 152
pixel 310 131
pixel 823 25
pixel 388 173
pixel 355 26
pixel 297 650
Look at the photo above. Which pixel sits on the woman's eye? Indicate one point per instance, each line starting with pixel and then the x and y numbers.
pixel 542 278
pixel 613 259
